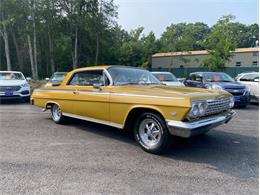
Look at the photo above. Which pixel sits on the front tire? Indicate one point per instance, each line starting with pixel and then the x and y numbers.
pixel 56 114
pixel 151 133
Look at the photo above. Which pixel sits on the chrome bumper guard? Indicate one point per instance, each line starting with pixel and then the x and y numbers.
pixel 189 129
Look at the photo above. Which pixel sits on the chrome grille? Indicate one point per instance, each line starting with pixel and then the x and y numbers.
pixel 9 88
pixel 217 106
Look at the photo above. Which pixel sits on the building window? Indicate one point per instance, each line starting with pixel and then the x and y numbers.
pixel 181 66
pixel 238 63
pixel 255 63
pixel 255 54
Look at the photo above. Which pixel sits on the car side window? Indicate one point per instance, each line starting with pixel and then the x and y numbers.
pixel 249 77
pixel 195 77
pixel 89 78
pixel 192 77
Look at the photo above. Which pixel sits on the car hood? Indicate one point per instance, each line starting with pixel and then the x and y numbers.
pixel 171 91
pixel 230 85
pixel 12 82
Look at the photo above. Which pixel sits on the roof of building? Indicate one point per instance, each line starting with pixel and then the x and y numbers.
pixel 202 52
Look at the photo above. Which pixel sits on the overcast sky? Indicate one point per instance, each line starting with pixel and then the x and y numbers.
pixel 156 15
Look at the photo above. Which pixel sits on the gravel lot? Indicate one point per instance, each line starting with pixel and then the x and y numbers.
pixel 38 156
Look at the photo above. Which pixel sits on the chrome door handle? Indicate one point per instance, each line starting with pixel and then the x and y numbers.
pixel 76 92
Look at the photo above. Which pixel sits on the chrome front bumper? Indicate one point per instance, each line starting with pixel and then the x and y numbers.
pixel 189 129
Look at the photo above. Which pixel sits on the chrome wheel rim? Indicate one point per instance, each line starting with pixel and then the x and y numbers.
pixel 150 132
pixel 56 113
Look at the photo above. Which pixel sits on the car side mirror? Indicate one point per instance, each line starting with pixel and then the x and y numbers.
pixel 97 86
pixel 28 78
pixel 47 79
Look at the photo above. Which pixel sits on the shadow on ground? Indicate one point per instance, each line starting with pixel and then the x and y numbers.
pixel 13 102
pixel 233 154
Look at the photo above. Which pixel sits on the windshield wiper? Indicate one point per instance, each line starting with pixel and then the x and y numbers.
pixel 151 83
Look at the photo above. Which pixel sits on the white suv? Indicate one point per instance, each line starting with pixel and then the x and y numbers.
pixel 13 85
pixel 251 80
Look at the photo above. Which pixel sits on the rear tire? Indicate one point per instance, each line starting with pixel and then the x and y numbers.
pixel 56 114
pixel 152 134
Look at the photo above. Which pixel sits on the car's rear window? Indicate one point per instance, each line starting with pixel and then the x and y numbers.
pixel 165 77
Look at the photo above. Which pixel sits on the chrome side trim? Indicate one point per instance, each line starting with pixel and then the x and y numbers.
pixel 94 120
pixel 148 96
pixel 68 90
pixel 107 93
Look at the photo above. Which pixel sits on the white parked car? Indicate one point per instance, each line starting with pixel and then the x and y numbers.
pixel 168 78
pixel 251 80
pixel 55 79
pixel 13 85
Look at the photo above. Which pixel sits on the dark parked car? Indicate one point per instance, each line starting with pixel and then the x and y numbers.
pixel 220 81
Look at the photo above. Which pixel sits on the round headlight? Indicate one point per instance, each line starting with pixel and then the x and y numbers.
pixel 232 102
pixel 195 110
pixel 215 86
pixel 202 107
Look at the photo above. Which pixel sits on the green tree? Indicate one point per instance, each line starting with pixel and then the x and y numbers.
pixel 220 44
pixel 184 37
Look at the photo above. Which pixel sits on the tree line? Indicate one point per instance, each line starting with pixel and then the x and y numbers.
pixel 39 37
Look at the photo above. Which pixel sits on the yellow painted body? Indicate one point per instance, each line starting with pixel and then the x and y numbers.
pixel 113 103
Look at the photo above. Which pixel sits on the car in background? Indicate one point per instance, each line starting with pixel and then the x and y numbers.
pixel 222 82
pixel 251 80
pixel 55 79
pixel 168 78
pixel 13 85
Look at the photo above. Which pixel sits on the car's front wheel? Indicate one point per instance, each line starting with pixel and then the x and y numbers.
pixel 152 133
pixel 56 114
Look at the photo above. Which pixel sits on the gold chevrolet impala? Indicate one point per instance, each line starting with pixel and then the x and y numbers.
pixel 133 99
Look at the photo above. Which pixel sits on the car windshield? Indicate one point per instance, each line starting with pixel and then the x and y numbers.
pixel 217 77
pixel 165 76
pixel 11 76
pixel 132 76
pixel 58 76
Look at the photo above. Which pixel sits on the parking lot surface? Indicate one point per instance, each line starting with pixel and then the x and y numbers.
pixel 38 156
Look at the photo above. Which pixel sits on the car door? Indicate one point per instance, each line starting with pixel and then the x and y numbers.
pixel 91 98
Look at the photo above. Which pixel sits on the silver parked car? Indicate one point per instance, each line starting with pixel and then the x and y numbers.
pixel 55 79
pixel 13 85
pixel 168 78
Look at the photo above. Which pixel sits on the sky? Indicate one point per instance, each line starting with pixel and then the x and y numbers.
pixel 156 15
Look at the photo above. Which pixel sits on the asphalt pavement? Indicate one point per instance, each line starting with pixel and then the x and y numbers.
pixel 38 156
